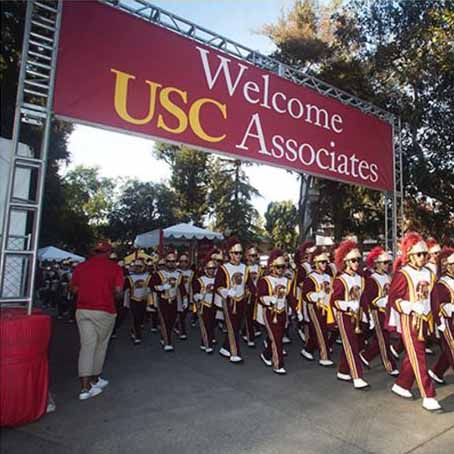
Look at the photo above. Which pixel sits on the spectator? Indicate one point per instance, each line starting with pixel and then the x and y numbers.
pixel 98 283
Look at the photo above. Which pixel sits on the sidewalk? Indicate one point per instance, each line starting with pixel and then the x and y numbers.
pixel 189 402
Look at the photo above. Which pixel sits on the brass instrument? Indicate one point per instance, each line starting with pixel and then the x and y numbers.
pixel 358 316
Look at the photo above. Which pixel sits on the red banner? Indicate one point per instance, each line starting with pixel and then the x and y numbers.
pixel 121 72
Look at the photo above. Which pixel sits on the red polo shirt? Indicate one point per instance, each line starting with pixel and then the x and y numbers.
pixel 95 281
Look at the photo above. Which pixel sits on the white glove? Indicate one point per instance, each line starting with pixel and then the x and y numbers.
pixel 223 292
pixel 300 316
pixel 418 308
pixel 406 306
pixel 343 305
pixel 442 326
pixel 163 288
pixel 382 302
pixel 197 297
pixel 269 300
pixel 449 309
pixel 353 305
pixel 232 293
pixel 314 297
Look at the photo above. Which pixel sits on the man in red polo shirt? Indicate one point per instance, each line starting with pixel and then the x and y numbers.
pixel 98 282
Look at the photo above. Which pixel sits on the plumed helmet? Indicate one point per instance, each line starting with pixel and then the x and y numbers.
pixel 412 243
pixel 276 258
pixel 347 250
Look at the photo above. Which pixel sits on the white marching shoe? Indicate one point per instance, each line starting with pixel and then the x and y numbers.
pixel 326 363
pixel 430 404
pixel 225 353
pixel 101 383
pixel 89 393
pixel 394 373
pixel 209 350
pixel 266 361
pixel 203 348
pixel 359 383
pixel 286 340
pixel 435 377
pixel 168 348
pixel 307 355
pixel 343 377
pixel 235 359
pixel 280 371
pixel 402 392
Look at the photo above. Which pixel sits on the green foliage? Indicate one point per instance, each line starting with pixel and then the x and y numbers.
pixel 141 207
pixel 281 221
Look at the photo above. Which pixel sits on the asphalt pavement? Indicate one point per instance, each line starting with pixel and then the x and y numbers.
pixel 190 402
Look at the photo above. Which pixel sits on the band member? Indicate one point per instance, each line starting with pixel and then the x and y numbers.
pixel 272 293
pixel 345 299
pixel 231 294
pixel 445 300
pixel 375 297
pixel 434 257
pixel 316 291
pixel 254 272
pixel 203 296
pixel 184 303
pixel 137 290
pixel 303 268
pixel 169 287
pixel 410 312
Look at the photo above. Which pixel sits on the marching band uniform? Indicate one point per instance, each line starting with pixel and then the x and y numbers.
pixel 445 300
pixel 169 287
pixel 203 296
pixel 254 274
pixel 316 290
pixel 137 289
pixel 231 295
pixel 272 310
pixel 375 297
pixel 184 303
pixel 303 268
pixel 346 302
pixel 410 311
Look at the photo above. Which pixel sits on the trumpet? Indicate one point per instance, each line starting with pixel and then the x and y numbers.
pixel 418 325
pixel 358 316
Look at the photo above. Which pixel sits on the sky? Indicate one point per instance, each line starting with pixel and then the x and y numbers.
pixel 120 155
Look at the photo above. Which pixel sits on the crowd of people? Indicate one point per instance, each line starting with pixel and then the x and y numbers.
pixel 376 309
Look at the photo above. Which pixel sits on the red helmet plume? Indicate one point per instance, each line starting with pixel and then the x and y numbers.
pixel 373 255
pixel 342 251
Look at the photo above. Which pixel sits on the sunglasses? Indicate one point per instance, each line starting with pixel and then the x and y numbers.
pixel 323 261
pixel 354 260
pixel 279 267
pixel 386 262
pixel 211 268
pixel 236 252
pixel 421 254
pixel 171 261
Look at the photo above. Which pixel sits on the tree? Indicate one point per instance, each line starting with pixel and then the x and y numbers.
pixel 189 179
pixel 139 208
pixel 89 193
pixel 281 222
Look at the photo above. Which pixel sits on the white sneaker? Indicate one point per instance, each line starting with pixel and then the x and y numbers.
pixel 359 383
pixel 326 363
pixel 284 352
pixel 89 393
pixel 257 333
pixel 435 377
pixel 225 353
pixel 429 351
pixel 394 373
pixel 364 360
pixel 203 348
pixel 430 404
pixel 266 361
pixel 235 359
pixel 251 344
pixel 307 355
pixel 209 350
pixel 343 377
pixel 154 330
pixel 280 371
pixel 183 337
pixel 101 383
pixel 168 348
pixel 339 341
pixel 402 392
pixel 245 338
pixel 286 340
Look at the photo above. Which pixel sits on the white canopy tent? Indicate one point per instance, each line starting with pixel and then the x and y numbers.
pixel 53 253
pixel 175 232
